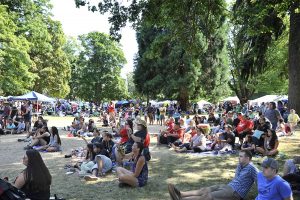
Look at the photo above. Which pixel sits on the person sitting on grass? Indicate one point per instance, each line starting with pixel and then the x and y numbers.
pixel 10 127
pixel 293 120
pixel 41 138
pixel 225 140
pixel 138 175
pixel 174 136
pixel 20 126
pixel 170 126
pixel 238 188
pixel 102 163
pixel 283 129
pixel 248 144
pixel 35 179
pixel 197 144
pixel 291 173
pixel 108 143
pixel 55 142
pixel 86 165
pixel 271 186
pixel 271 143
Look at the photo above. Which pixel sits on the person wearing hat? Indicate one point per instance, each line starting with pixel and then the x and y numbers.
pixel 139 136
pixel 270 185
pixel 237 189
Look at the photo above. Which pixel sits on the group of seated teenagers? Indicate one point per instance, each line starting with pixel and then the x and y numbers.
pixel 255 134
pixel 127 152
pixel 81 128
pixel 41 138
pixel 13 126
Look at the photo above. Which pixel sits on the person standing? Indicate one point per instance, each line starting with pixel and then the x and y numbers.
pixel 150 112
pixel 270 185
pixel 162 111
pixel 273 115
pixel 111 112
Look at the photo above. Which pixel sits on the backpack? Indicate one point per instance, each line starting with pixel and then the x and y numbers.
pixel 9 192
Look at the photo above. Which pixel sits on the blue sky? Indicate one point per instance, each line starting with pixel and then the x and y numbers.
pixel 77 21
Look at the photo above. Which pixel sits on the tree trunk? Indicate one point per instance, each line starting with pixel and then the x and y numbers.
pixel 183 99
pixel 294 59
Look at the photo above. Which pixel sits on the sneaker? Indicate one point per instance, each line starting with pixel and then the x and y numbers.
pixel 90 178
pixel 21 140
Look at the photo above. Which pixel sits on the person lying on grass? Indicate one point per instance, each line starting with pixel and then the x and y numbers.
pixel 102 163
pixel 138 175
pixel 197 143
pixel 238 188
pixel 55 142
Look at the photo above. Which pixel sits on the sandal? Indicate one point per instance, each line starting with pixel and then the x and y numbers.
pixel 172 192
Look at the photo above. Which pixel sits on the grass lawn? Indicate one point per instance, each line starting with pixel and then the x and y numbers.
pixel 186 171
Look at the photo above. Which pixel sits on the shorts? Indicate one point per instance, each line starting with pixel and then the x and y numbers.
pixel 162 117
pixel 223 192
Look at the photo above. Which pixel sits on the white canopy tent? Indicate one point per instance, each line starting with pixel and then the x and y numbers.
pixel 235 98
pixel 202 103
pixel 266 98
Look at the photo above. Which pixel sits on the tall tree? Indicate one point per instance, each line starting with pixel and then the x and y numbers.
pixel 250 38
pixel 15 62
pixel 45 38
pixel 294 56
pixel 99 66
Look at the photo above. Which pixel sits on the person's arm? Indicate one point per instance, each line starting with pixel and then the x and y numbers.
pixel 135 138
pixel 84 139
pixel 139 166
pixel 276 145
pixel 20 181
pixel 46 134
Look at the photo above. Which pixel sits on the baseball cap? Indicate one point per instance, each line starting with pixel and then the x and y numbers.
pixel 270 162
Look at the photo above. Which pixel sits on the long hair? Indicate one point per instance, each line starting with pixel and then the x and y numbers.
pixel 273 139
pixel 36 173
pixel 90 155
pixel 55 133
pixel 130 124
pixel 140 145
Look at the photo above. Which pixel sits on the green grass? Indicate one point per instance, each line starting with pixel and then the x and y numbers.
pixel 186 171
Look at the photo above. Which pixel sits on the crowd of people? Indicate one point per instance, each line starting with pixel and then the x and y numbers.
pixel 125 148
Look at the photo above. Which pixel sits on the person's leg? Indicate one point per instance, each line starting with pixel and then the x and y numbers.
pixel 52 149
pixel 273 152
pixel 260 150
pixel 171 139
pixel 199 192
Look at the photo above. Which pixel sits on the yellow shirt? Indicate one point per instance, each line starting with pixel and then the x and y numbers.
pixel 293 118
